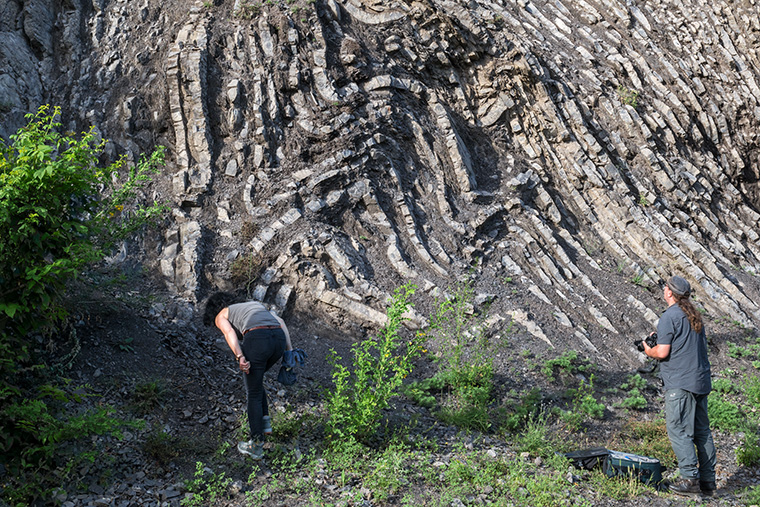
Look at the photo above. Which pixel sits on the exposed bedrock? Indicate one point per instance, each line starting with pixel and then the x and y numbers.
pixel 566 155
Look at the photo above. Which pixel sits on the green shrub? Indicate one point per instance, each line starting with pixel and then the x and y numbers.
pixel 379 366
pixel 53 219
pixel 751 390
pixel 724 415
pixel 59 211
pixel 387 474
pixel 535 437
pixel 748 454
pixel 584 405
pixel 723 385
pixel 291 425
pixel 634 382
pixel 513 417
pixel 751 495
pixel 206 487
pixel 634 400
pixel 566 365
pixel 464 357
pixel 470 392
pixel 41 431
pixel 420 392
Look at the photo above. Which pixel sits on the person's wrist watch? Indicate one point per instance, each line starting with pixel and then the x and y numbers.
pixel 237 357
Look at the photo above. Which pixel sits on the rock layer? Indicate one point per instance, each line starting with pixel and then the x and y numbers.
pixel 556 150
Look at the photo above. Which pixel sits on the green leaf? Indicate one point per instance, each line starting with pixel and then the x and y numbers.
pixel 10 309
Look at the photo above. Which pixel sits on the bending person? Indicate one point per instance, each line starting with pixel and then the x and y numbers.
pixel 257 338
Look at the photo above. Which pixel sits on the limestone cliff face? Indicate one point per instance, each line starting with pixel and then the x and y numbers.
pixel 557 149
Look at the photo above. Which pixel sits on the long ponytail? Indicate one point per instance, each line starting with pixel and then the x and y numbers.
pixel 695 318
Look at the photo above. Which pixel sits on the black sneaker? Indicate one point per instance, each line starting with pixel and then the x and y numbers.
pixel 685 487
pixel 708 487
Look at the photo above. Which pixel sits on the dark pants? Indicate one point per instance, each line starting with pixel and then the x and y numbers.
pixel 262 348
pixel 690 435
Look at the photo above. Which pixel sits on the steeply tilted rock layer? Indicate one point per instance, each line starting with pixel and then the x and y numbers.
pixel 556 150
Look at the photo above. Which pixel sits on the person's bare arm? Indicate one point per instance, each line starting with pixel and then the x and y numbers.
pixel 230 336
pixel 659 351
pixel 285 330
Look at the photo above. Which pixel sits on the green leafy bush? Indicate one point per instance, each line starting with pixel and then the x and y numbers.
pixel 724 415
pixel 515 416
pixel 748 454
pixel 566 365
pixel 379 366
pixel 634 382
pixel 41 431
pixel 584 405
pixel 465 366
pixel 470 392
pixel 723 385
pixel 386 476
pixel 206 487
pixel 635 399
pixel 53 219
pixel 751 390
pixel 59 211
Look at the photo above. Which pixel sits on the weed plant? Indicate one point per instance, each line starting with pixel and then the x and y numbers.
pixel 725 415
pixel 291 425
pixel 464 380
pixel 535 437
pixel 628 96
pixel 749 351
pixel 647 438
pixel 748 453
pixel 619 487
pixel 244 272
pixel 566 365
pixel 751 495
pixel 206 487
pixel 514 416
pixel 634 399
pixel 584 405
pixel 379 367
pixel 147 395
pixel 161 447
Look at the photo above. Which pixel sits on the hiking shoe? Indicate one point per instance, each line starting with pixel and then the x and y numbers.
pixel 685 487
pixel 267 425
pixel 708 487
pixel 253 449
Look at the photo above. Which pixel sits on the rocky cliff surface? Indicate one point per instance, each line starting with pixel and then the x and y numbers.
pixel 569 154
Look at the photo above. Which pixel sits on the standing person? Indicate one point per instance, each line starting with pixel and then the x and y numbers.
pixel 257 338
pixel 682 349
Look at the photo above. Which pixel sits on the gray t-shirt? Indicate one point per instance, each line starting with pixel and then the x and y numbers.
pixel 687 366
pixel 244 316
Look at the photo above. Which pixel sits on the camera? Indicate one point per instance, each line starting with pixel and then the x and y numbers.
pixel 651 341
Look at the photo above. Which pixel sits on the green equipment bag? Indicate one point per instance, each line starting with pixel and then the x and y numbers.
pixel 648 470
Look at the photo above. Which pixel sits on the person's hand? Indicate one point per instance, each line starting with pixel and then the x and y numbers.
pixel 245 366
